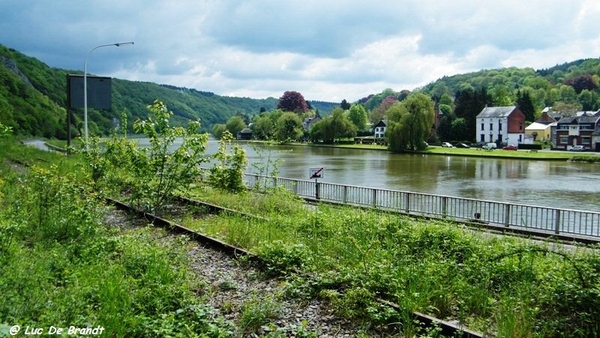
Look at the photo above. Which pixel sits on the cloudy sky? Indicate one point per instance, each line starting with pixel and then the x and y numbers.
pixel 327 50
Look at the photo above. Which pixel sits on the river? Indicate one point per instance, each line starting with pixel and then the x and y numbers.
pixel 558 184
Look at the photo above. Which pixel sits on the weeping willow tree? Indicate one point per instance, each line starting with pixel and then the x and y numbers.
pixel 409 123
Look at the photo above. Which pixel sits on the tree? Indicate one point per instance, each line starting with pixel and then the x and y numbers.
pixel 289 127
pixel 345 105
pixel 292 101
pixel 502 96
pixel 567 94
pixel 459 130
pixel 379 113
pixel 469 103
pixel 446 99
pixel 263 127
pixel 357 114
pixel 228 172
pixel 579 83
pixel 333 127
pixel 218 130
pixel 444 129
pixel 525 104
pixel 151 176
pixel 235 124
pixel 588 100
pixel 410 123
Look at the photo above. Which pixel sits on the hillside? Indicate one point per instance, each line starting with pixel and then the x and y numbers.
pixel 567 87
pixel 33 95
pixel 33 100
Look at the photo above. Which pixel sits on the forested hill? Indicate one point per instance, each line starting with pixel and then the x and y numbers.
pixel 567 87
pixel 33 100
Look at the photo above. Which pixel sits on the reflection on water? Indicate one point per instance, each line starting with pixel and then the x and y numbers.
pixel 545 183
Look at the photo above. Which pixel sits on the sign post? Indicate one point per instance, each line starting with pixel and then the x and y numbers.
pixel 316 173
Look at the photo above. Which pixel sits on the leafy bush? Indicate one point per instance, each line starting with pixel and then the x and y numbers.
pixel 228 173
pixel 150 176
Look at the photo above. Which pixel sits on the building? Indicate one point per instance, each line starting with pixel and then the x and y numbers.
pixel 504 125
pixel 309 122
pixel 538 132
pixel 245 134
pixel 577 130
pixel 379 129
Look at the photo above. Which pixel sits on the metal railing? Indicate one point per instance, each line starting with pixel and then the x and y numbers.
pixel 508 215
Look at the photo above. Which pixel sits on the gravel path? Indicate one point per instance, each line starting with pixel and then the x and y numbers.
pixel 236 289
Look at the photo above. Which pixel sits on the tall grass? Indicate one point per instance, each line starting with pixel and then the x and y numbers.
pixel 61 266
pixel 502 286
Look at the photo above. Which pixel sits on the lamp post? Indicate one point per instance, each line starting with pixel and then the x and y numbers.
pixel 85 96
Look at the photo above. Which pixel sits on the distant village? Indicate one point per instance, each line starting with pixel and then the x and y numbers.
pixel 506 126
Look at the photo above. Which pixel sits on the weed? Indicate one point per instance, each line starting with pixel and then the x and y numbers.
pixel 256 312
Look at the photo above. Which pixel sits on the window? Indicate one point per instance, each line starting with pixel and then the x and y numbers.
pixel 482 138
pixel 564 140
pixel 500 126
pixel 520 126
pixel 585 140
pixel 491 126
pixel 482 126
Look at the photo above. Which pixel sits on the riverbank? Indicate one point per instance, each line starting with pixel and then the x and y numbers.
pixel 545 155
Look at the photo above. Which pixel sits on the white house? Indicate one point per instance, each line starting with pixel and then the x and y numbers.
pixel 379 129
pixel 505 125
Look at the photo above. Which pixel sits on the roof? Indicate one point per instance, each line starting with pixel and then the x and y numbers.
pixel 537 126
pixel 381 123
pixel 568 120
pixel 588 119
pixel 579 119
pixel 545 118
pixel 246 131
pixel 497 112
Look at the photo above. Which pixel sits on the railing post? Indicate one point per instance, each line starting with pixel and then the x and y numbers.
pixel 295 182
pixel 345 194
pixel 444 206
pixel 317 187
pixel 407 202
pixel 557 222
pixel 507 215
pixel 374 197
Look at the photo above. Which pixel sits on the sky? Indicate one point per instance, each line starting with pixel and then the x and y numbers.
pixel 328 50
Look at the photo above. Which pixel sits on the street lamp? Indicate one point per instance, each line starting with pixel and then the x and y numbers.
pixel 85 96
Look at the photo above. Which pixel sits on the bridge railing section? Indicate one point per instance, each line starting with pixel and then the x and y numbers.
pixel 523 217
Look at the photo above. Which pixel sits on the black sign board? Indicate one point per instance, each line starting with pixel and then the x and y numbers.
pixel 98 90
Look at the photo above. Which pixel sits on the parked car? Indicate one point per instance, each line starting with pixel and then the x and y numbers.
pixel 510 147
pixel 462 145
pixel 577 148
pixel 447 145
pixel 489 146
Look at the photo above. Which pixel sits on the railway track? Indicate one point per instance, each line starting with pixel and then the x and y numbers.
pixel 446 328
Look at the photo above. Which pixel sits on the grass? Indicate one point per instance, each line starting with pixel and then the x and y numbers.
pixel 355 256
pixel 62 266
pixel 474 152
pixel 135 285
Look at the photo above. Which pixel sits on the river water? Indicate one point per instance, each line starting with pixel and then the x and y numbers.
pixel 557 184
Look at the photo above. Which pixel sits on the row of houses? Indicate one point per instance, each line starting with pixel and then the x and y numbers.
pixel 506 125
pixel 563 131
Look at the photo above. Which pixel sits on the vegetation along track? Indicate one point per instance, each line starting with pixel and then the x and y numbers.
pixel 333 326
